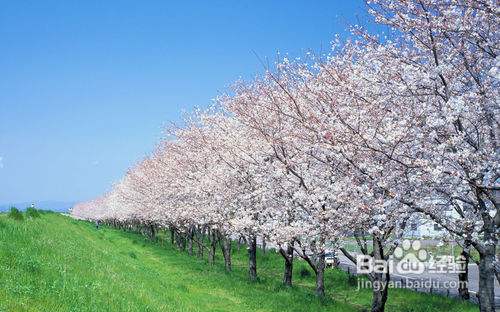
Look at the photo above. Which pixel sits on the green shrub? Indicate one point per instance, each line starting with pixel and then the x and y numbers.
pixel 132 255
pixel 352 280
pixel 15 214
pixel 304 272
pixel 32 213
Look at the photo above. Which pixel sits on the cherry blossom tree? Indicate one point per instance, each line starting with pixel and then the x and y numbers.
pixel 354 144
pixel 454 53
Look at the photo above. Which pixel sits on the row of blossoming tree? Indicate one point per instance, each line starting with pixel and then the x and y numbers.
pixel 350 145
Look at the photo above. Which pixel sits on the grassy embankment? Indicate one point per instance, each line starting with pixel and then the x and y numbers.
pixel 54 263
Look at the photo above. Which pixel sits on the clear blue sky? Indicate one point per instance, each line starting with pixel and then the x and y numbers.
pixel 86 87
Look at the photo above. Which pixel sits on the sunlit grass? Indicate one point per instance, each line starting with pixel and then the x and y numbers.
pixel 54 263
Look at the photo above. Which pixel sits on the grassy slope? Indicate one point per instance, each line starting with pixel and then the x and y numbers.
pixel 55 263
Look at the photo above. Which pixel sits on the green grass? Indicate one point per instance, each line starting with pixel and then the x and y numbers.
pixel 54 263
pixel 32 213
pixel 15 214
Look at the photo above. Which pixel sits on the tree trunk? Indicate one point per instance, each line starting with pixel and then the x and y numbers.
pixel 181 241
pixel 225 244
pixel 190 241
pixel 380 291
pixel 288 256
pixel 320 274
pixel 152 230
pixel 497 270
pixel 463 275
pixel 199 242
pixel 263 244
pixel 178 240
pixel 486 294
pixel 172 236
pixel 252 258
pixel 213 245
pixel 318 266
pixel 486 251
pixel 380 280
pixel 241 240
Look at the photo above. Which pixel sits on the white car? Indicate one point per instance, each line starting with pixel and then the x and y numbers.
pixel 331 259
